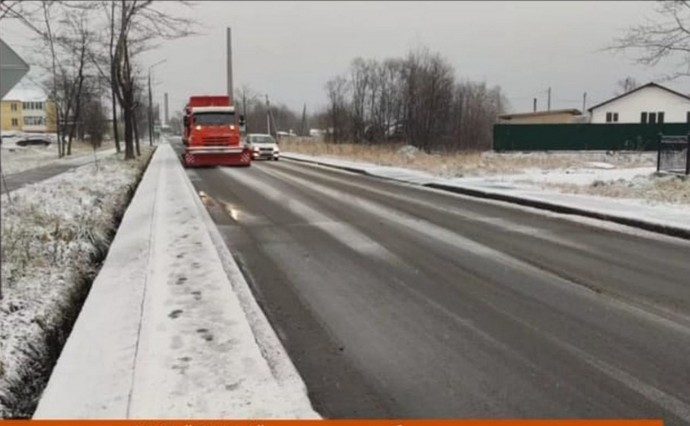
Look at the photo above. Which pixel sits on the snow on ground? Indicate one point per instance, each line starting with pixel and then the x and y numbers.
pixel 544 185
pixel 52 234
pixel 164 333
pixel 629 174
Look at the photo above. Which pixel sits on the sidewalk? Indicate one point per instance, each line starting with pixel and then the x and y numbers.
pixel 170 329
pixel 662 219
pixel 28 176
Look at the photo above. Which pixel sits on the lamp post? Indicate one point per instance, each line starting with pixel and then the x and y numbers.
pixel 151 102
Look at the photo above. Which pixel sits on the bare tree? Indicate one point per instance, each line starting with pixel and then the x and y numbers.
pixel 360 82
pixel 415 99
pixel 666 38
pixel 249 99
pixel 625 85
pixel 62 29
pixel 78 40
pixel 139 26
pixel 337 90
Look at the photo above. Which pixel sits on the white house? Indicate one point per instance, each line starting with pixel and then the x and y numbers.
pixel 651 103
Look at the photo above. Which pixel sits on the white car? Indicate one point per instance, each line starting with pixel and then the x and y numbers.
pixel 263 146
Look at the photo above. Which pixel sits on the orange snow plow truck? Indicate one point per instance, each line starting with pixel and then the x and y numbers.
pixel 212 135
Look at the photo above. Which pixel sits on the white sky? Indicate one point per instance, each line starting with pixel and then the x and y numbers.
pixel 290 49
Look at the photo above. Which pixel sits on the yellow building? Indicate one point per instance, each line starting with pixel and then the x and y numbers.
pixel 27 110
pixel 11 112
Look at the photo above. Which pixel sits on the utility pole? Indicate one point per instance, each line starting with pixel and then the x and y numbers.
pixel 303 127
pixel 268 116
pixel 229 67
pixel 151 102
pixel 584 102
pixel 150 111
pixel 167 117
pixel 548 102
pixel 534 105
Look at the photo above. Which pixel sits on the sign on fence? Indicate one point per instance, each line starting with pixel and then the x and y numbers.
pixel 674 154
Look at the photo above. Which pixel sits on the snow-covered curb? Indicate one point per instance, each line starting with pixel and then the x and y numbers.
pixel 162 333
pixel 662 219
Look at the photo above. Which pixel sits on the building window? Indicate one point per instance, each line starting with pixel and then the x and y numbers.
pixel 33 121
pixel 32 106
pixel 612 117
pixel 13 107
pixel 15 122
pixel 652 117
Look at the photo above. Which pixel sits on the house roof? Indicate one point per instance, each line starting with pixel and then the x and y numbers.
pixel 24 92
pixel 571 111
pixel 650 84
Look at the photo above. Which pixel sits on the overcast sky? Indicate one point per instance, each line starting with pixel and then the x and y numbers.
pixel 288 50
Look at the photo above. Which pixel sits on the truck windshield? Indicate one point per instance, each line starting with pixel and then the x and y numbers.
pixel 214 118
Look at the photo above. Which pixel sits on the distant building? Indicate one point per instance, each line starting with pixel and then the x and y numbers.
pixel 558 116
pixel 647 104
pixel 27 109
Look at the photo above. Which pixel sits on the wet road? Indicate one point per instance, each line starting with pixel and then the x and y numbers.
pixel 398 301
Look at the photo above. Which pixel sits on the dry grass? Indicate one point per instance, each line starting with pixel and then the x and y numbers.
pixel 463 163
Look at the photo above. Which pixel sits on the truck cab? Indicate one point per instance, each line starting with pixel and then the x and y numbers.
pixel 212 133
pixel 211 126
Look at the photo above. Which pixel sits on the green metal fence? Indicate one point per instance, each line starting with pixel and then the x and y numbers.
pixel 583 136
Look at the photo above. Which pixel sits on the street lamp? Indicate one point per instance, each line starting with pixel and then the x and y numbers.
pixel 151 102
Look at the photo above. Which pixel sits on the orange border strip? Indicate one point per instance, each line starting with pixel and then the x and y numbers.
pixel 391 422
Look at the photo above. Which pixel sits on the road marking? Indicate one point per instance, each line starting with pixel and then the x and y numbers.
pixel 342 232
pixel 504 224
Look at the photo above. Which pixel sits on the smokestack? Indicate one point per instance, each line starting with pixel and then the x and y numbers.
pixel 167 117
pixel 229 70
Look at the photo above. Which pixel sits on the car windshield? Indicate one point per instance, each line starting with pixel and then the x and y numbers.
pixel 214 118
pixel 261 139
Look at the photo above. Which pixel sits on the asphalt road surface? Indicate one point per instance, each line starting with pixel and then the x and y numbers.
pixel 398 301
pixel 27 177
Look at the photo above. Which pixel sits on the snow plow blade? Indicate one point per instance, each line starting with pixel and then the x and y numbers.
pixel 214 156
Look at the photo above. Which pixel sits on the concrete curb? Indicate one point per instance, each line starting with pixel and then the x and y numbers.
pixel 543 205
